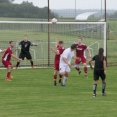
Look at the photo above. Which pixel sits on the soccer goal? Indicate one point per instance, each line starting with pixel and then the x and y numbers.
pixel 44 35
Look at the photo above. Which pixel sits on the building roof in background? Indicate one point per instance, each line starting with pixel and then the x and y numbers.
pixel 84 16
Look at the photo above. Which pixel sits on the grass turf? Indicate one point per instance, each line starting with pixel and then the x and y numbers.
pixel 32 94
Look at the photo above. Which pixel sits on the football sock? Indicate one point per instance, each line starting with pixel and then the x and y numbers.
pixel 78 69
pixel 17 64
pixel 85 70
pixel 94 88
pixel 8 74
pixel 31 63
pixel 60 76
pixel 103 87
pixel 64 80
pixel 55 77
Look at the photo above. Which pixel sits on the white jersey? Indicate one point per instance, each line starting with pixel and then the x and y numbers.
pixel 68 54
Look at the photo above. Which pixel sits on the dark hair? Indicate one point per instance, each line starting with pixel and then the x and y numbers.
pixel 73 46
pixel 60 42
pixel 25 36
pixel 10 42
pixel 101 51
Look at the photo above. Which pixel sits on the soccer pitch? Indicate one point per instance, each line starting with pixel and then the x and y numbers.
pixel 32 94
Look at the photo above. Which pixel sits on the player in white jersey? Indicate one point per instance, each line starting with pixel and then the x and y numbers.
pixel 65 62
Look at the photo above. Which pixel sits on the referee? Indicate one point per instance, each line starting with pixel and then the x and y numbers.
pixel 25 51
pixel 99 71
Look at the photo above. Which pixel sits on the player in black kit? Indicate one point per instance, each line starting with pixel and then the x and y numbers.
pixel 25 51
pixel 99 71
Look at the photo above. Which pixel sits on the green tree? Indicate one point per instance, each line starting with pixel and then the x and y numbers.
pixel 23 10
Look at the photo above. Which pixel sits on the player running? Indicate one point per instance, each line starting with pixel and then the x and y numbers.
pixel 59 50
pixel 99 71
pixel 25 48
pixel 6 60
pixel 80 53
pixel 65 62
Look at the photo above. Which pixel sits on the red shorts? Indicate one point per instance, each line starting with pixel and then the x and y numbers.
pixel 6 63
pixel 82 59
pixel 56 65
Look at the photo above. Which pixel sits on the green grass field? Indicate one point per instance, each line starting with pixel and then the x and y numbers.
pixel 32 94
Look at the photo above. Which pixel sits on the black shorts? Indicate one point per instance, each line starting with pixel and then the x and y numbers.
pixel 99 73
pixel 27 55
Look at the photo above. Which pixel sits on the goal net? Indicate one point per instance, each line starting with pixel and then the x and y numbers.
pixel 44 35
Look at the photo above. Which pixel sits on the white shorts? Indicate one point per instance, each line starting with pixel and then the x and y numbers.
pixel 64 68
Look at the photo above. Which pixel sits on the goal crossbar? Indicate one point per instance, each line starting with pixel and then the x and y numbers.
pixel 31 22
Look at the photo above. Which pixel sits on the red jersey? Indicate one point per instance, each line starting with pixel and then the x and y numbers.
pixel 80 50
pixel 60 50
pixel 7 54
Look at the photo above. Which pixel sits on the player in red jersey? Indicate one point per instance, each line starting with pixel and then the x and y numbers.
pixel 6 60
pixel 59 50
pixel 80 53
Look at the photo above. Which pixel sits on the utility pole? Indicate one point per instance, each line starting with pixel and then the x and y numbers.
pixel 48 33
pixel 101 9
pixel 75 8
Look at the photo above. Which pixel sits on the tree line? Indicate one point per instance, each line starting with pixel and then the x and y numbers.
pixel 23 10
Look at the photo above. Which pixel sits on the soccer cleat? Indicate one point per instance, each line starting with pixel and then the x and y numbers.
pixel 54 84
pixel 11 77
pixel 63 85
pixel 86 76
pixel 94 95
pixel 32 67
pixel 103 94
pixel 8 80
pixel 78 74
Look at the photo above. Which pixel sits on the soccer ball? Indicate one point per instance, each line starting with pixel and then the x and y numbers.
pixel 54 20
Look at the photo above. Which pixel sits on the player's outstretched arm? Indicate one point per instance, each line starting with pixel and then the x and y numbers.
pixel 55 51
pixel 65 60
pixel 104 64
pixel 57 41
pixel 2 51
pixel 90 64
pixel 89 52
pixel 32 44
pixel 15 57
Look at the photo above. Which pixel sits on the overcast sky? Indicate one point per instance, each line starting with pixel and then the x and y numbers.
pixel 70 4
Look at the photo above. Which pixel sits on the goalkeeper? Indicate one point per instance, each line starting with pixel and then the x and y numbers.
pixel 25 51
